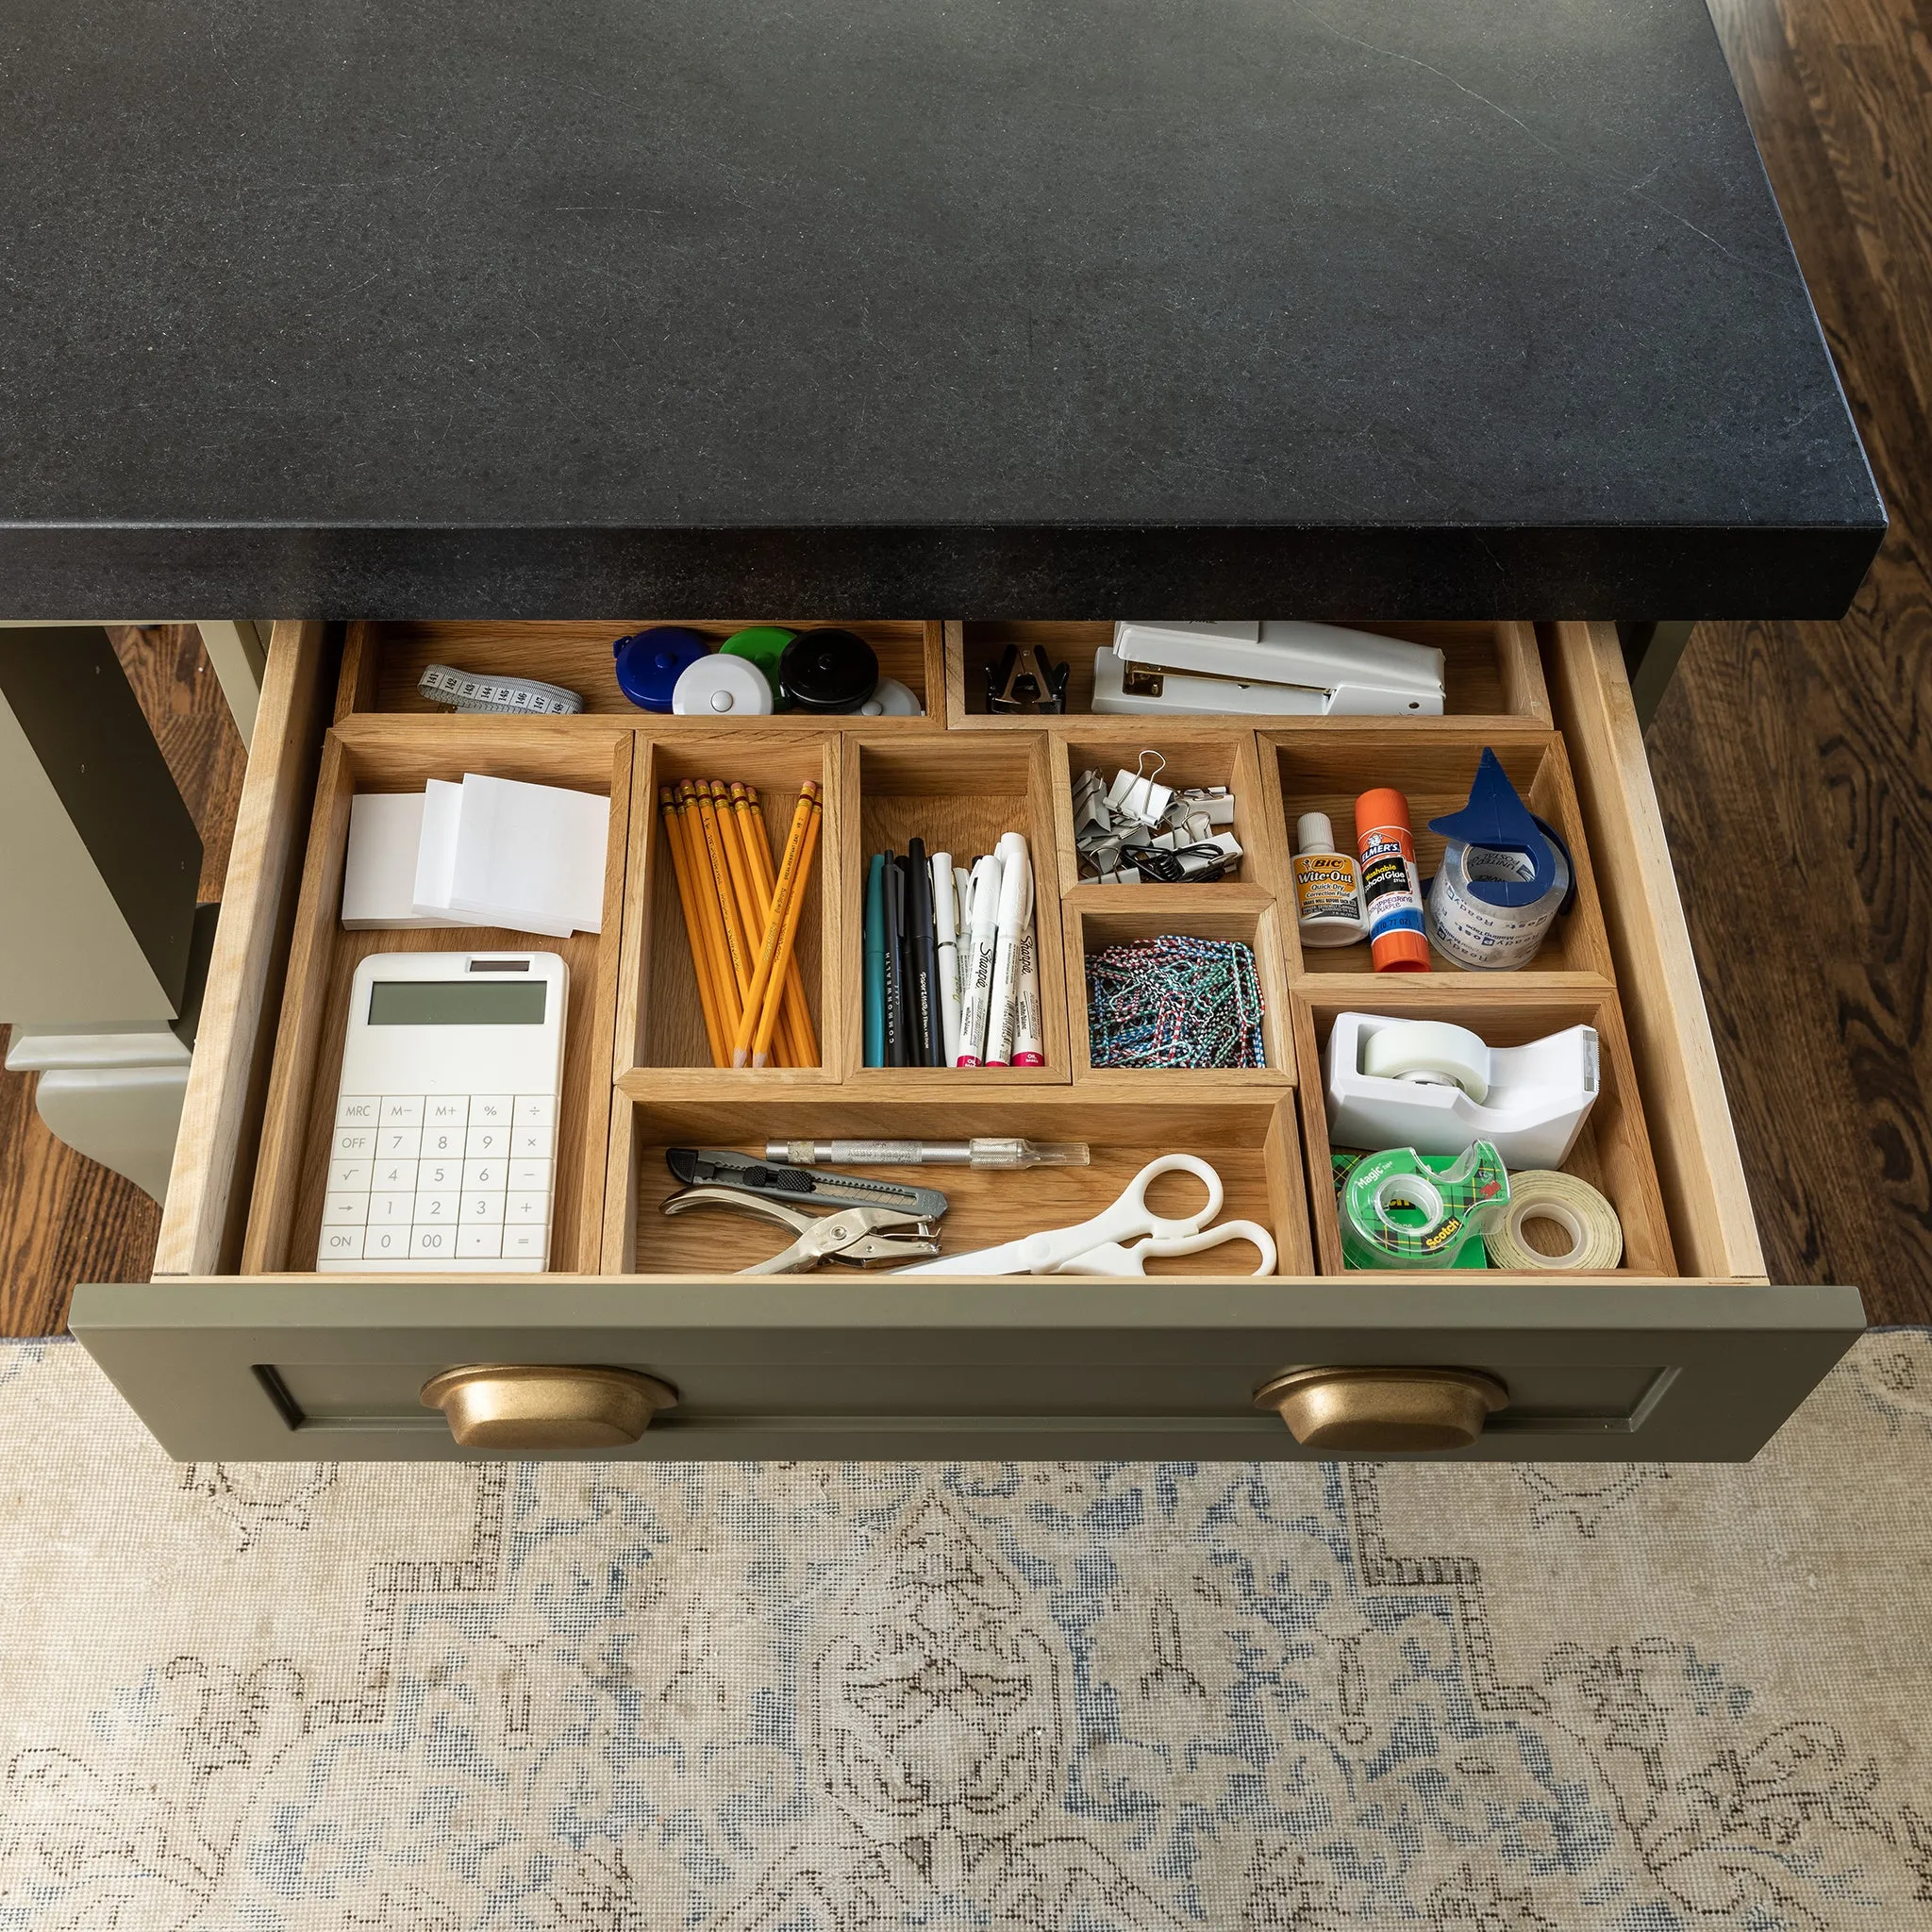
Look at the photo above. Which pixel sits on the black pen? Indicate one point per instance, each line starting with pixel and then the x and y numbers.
pixel 925 957
pixel 895 963
pixel 910 1031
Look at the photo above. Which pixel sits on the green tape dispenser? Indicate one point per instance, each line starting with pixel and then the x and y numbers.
pixel 1442 1208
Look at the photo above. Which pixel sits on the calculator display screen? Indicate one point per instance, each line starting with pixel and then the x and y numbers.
pixel 457 1002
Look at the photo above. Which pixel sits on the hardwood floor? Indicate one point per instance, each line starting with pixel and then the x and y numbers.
pixel 62 1218
pixel 1794 760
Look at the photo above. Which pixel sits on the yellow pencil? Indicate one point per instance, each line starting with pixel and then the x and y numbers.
pixel 717 967
pixel 730 1006
pixel 795 1016
pixel 754 906
pixel 693 926
pixel 784 915
pixel 750 919
pixel 738 942
pixel 760 1052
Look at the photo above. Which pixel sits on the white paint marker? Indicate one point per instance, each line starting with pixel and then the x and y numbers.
pixel 976 966
pixel 1016 876
pixel 1029 1028
pixel 945 920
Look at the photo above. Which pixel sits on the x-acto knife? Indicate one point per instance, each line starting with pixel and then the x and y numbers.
pixel 697 1166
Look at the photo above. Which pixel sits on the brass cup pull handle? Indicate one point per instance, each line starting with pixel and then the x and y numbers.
pixel 1383 1410
pixel 520 1408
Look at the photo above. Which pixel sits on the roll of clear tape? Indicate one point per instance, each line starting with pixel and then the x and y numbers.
pixel 1477 933
pixel 1541 1193
pixel 1430 1052
pixel 1453 1206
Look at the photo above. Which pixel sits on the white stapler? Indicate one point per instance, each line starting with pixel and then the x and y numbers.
pixel 1280 668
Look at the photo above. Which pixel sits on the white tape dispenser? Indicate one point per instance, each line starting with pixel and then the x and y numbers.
pixel 1440 1088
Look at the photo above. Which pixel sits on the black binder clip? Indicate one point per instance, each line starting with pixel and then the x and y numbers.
pixel 1024 679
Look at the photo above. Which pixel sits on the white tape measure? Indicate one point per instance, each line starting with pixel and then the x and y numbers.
pixel 523 698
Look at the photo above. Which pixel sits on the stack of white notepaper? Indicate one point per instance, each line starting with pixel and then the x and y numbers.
pixel 487 852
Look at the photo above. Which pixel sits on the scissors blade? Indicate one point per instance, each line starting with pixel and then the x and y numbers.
pixel 1010 1257
pixel 1053 1248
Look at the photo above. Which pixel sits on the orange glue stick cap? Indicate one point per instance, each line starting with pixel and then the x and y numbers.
pixel 1383 806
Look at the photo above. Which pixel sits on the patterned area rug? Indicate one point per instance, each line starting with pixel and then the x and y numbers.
pixel 800 1697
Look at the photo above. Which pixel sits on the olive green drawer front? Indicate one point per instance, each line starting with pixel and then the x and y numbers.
pixel 294 1370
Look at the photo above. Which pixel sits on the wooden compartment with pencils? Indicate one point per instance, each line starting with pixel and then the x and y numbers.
pixel 690 1002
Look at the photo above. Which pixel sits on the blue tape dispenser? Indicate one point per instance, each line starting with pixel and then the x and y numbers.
pixel 1505 877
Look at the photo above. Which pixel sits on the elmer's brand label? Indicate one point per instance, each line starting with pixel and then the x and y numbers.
pixel 1390 886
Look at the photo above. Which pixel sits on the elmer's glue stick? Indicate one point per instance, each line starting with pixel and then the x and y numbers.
pixel 1391 891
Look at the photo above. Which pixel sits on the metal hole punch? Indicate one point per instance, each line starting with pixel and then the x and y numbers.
pixel 871 1221
pixel 859 1236
pixel 1026 679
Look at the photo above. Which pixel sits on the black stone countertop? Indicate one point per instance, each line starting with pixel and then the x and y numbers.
pixel 1081 308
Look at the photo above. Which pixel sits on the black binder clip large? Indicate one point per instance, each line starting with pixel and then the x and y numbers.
pixel 1025 679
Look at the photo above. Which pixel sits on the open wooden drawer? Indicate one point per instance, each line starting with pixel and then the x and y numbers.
pixel 1684 1352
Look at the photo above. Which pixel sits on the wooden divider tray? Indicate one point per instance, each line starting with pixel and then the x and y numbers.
pixel 639 1075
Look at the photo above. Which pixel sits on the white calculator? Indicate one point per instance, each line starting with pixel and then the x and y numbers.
pixel 446 1131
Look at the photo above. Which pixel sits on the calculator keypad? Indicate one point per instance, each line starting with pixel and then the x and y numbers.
pixel 440 1178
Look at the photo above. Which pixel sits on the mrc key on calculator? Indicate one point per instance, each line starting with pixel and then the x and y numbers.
pixel 443 1147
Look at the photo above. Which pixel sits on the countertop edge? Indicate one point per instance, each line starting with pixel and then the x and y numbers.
pixel 1632 572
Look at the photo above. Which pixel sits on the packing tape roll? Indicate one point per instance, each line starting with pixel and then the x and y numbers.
pixel 1478 934
pixel 1430 1052
pixel 1541 1193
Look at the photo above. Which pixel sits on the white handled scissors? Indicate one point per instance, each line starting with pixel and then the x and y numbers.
pixel 1106 1244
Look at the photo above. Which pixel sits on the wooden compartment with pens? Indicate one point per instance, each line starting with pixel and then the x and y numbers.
pixel 959 798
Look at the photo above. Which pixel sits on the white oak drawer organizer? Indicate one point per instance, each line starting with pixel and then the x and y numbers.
pixel 234 1351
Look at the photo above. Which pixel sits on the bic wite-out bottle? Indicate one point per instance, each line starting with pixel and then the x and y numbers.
pixel 1328 887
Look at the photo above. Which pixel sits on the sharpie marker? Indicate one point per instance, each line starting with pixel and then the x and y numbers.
pixel 981 944
pixel 1029 1033
pixel 1015 879
pixel 945 918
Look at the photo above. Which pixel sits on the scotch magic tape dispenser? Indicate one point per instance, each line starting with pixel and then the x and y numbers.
pixel 1440 1088
pixel 1442 1212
